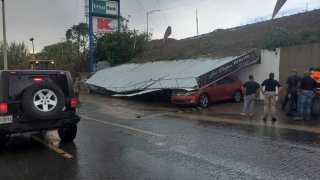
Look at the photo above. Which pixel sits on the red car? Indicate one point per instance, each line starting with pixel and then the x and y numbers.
pixel 229 88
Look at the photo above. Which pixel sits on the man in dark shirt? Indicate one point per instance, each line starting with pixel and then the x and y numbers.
pixel 270 96
pixel 292 95
pixel 306 96
pixel 250 90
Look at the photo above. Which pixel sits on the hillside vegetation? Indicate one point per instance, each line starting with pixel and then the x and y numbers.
pixel 290 30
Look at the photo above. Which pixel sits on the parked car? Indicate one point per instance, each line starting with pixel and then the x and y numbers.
pixel 229 88
pixel 37 101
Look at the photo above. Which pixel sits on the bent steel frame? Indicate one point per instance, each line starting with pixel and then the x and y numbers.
pixel 182 74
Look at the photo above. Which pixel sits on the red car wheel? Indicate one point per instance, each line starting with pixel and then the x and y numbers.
pixel 204 100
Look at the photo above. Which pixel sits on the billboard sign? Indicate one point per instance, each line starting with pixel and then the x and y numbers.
pixel 229 68
pixel 105 7
pixel 104 17
pixel 103 25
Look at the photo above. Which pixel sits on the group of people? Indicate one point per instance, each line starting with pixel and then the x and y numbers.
pixel 299 94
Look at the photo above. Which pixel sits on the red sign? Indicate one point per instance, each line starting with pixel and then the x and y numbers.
pixel 104 24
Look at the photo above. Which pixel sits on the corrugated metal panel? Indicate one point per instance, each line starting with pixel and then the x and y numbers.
pixel 155 75
pixel 135 94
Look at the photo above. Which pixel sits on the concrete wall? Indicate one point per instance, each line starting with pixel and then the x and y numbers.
pixel 300 57
pixel 282 61
pixel 270 62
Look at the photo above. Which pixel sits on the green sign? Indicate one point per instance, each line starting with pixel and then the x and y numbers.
pixel 105 7
pixel 99 7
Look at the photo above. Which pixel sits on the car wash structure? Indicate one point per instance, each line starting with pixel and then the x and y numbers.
pixel 191 74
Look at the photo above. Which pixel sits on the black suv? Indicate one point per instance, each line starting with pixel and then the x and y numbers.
pixel 36 101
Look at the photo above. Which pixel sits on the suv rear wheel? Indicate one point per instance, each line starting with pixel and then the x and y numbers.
pixel 43 101
pixel 67 134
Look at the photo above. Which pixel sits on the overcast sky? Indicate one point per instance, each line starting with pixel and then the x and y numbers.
pixel 47 20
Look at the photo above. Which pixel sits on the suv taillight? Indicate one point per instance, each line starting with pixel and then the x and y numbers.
pixel 3 108
pixel 73 103
pixel 37 79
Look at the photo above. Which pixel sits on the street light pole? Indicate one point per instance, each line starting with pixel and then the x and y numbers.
pixel 5 60
pixel 32 39
pixel 148 13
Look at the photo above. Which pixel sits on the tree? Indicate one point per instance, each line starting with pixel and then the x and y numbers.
pixel 78 34
pixel 120 47
pixel 77 43
pixel 71 54
pixel 60 52
pixel 17 54
pixel 277 37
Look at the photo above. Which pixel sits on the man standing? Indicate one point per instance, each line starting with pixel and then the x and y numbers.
pixel 292 86
pixel 250 90
pixel 307 89
pixel 270 96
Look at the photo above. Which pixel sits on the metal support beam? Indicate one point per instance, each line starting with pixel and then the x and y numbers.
pixel 91 58
pixel 5 60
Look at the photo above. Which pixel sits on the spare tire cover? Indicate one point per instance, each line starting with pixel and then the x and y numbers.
pixel 43 101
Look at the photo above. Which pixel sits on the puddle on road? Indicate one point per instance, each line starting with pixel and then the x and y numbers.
pixel 126 109
pixel 227 113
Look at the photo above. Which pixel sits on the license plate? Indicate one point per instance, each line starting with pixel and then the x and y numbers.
pixel 5 119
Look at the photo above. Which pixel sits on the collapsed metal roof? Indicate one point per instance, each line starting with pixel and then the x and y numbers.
pixel 179 74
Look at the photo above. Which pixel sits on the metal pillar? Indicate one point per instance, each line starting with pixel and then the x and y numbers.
pixel 148 13
pixel 5 60
pixel 91 58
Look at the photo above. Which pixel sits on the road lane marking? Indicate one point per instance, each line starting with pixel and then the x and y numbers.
pixel 123 126
pixel 252 123
pixel 53 148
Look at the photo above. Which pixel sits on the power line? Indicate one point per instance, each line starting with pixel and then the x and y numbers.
pixel 150 17
pixel 164 17
pixel 75 12
pixel 188 4
pixel 165 9
pixel 141 5
pixel 156 26
pixel 141 14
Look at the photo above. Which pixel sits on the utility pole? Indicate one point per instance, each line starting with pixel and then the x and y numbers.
pixel 307 6
pixel 148 13
pixel 33 55
pixel 197 22
pixel 5 60
pixel 135 39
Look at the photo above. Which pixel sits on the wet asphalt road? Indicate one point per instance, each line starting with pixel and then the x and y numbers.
pixel 122 143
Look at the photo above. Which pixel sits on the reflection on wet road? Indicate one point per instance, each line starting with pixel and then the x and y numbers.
pixel 150 142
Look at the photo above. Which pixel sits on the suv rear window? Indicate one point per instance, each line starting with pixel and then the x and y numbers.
pixel 18 83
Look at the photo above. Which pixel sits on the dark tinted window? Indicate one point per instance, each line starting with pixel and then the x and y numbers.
pixel 18 83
